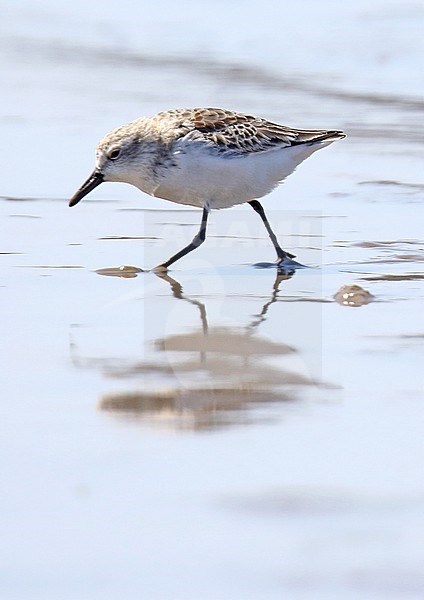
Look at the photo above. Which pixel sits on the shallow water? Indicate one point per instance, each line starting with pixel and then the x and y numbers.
pixel 225 431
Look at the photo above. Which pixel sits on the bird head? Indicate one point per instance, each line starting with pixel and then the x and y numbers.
pixel 124 155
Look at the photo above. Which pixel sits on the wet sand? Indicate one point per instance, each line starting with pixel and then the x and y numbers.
pixel 224 431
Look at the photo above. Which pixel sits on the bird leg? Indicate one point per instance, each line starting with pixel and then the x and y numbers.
pixel 197 241
pixel 282 254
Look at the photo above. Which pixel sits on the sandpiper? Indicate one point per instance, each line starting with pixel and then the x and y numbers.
pixel 205 157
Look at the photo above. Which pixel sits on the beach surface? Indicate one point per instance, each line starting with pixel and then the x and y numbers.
pixel 225 431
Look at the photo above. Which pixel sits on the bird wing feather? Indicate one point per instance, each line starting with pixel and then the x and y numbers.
pixel 238 133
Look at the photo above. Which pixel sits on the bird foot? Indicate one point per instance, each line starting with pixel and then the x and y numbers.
pixel 160 269
pixel 287 263
pixel 283 254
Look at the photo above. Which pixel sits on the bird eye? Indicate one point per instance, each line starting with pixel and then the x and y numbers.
pixel 113 154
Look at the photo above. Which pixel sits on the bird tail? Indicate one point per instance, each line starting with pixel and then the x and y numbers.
pixel 318 137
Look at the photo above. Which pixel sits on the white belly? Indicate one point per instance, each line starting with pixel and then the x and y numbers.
pixel 205 178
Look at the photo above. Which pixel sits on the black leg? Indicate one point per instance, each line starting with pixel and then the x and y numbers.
pixel 197 240
pixel 282 254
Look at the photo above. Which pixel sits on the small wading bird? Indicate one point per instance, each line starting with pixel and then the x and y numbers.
pixel 205 157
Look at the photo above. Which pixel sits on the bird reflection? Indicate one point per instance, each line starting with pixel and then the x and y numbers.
pixel 215 375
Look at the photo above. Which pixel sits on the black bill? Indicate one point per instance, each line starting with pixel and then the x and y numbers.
pixel 92 182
